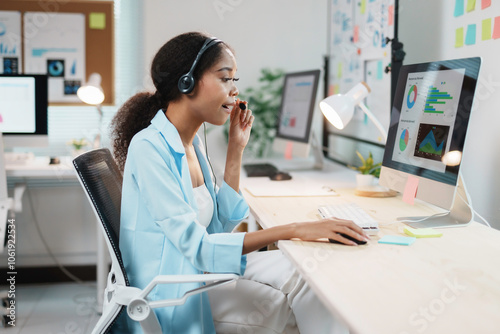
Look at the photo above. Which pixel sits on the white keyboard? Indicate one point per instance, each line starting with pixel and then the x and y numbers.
pixel 351 211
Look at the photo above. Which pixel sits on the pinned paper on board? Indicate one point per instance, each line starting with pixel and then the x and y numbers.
pixel 380 70
pixel 459 8
pixel 331 90
pixel 289 151
pixel 496 28
pixel 391 15
pixel 355 35
pixel 10 46
pixel 410 189
pixel 485 4
pixel 459 37
pixel 97 21
pixel 470 37
pixel 363 6
pixel 486 30
pixel 471 5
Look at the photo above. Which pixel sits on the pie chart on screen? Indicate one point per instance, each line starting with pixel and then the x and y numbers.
pixel 411 97
pixel 403 141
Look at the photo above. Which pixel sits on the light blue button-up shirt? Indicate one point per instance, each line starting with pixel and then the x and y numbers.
pixel 159 232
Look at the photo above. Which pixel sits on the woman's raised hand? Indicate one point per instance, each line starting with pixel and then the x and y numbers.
pixel 240 125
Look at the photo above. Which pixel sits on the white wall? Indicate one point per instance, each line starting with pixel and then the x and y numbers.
pixel 434 39
pixel 288 34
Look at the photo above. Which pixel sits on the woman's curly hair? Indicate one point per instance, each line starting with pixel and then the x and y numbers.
pixel 172 61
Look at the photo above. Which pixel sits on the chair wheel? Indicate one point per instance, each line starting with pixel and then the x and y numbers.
pixel 6 301
pixel 5 322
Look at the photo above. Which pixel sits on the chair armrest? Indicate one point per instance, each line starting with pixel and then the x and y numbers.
pixel 169 279
pixel 141 310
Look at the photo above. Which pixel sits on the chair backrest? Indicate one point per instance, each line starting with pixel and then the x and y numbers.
pixel 102 181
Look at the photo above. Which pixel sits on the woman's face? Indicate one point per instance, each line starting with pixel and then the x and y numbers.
pixel 215 95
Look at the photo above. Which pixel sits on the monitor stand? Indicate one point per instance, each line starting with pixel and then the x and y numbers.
pixel 305 163
pixel 459 215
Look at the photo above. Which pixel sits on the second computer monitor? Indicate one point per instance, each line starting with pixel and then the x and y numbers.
pixel 296 113
pixel 23 110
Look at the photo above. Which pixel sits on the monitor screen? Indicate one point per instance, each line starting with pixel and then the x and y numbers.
pixel 297 105
pixel 429 118
pixel 23 110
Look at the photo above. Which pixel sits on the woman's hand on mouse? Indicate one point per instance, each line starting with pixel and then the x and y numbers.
pixel 240 125
pixel 330 228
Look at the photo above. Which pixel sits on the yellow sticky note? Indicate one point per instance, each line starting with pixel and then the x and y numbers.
pixel 486 30
pixel 471 5
pixel 339 72
pixel 459 37
pixel 422 232
pixel 363 6
pixel 97 21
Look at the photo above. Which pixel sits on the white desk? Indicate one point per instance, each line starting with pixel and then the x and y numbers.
pixel 437 285
pixel 40 169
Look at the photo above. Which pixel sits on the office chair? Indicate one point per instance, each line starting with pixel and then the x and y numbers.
pixel 102 182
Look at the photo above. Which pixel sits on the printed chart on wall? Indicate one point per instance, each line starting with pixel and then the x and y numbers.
pixel 427 118
pixel 56 47
pixel 10 42
pixel 359 52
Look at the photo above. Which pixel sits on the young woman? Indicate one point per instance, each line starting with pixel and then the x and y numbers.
pixel 174 221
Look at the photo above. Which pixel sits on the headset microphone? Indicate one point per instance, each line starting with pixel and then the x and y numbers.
pixel 186 81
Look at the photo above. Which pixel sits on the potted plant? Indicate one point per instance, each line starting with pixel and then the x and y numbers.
pixel 368 170
pixel 78 146
pixel 264 101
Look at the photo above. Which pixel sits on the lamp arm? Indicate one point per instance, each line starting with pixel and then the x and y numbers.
pixel 375 121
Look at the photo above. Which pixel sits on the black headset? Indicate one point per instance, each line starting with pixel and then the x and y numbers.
pixel 186 81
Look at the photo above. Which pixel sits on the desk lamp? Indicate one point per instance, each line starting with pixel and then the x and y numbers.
pixel 339 108
pixel 92 93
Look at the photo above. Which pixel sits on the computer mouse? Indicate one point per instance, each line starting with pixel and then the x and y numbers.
pixel 281 176
pixel 359 242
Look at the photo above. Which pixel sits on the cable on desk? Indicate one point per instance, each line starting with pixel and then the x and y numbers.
pixel 474 212
pixel 47 248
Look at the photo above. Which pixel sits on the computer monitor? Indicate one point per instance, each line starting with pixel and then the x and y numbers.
pixel 296 113
pixel 23 110
pixel 429 119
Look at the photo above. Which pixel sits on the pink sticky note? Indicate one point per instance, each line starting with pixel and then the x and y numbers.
pixel 485 4
pixel 289 150
pixel 410 189
pixel 331 90
pixel 496 29
pixel 355 36
pixel 391 15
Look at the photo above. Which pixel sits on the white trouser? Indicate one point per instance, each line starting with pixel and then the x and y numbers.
pixel 270 298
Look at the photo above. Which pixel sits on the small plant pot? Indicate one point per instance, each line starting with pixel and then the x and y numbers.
pixel 364 180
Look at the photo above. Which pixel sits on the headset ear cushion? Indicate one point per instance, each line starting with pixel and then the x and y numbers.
pixel 186 84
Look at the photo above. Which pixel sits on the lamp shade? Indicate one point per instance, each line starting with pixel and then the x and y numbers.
pixel 339 109
pixel 91 92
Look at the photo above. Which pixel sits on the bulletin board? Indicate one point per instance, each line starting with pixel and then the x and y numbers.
pixel 44 17
pixel 358 50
